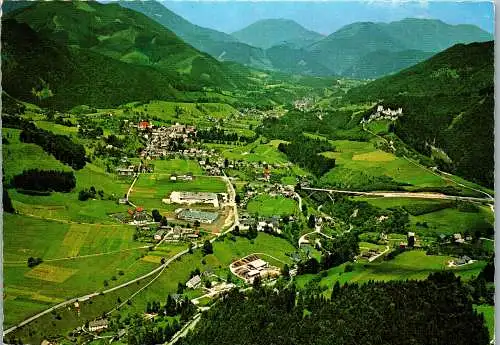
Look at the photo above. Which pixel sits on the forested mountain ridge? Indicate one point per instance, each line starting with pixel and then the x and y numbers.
pixel 447 104
pixel 268 33
pixel 123 35
pixel 347 48
pixel 72 76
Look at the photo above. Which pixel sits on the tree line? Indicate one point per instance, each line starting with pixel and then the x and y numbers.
pixel 60 146
pixel 45 180
pixel 306 153
pixel 215 134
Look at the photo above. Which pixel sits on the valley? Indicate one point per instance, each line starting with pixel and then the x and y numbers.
pixel 172 191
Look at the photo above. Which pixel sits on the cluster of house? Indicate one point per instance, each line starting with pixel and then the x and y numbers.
pixel 384 114
pixel 176 233
pixel 161 139
pixel 302 104
pixel 462 260
pixel 139 216
pixel 131 170
pixel 268 224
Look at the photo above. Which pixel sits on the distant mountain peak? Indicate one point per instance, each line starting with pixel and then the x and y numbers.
pixel 267 33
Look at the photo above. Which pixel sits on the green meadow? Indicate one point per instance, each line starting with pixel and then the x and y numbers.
pixel 177 166
pixel 408 265
pixel 253 152
pixel 267 206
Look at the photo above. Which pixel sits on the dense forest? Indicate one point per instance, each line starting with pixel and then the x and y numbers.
pixel 334 124
pixel 45 180
pixel 434 311
pixel 305 152
pixel 219 135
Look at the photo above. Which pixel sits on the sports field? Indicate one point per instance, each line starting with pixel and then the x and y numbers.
pixel 268 206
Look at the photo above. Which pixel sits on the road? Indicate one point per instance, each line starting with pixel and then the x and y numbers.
pixel 159 269
pixel 132 186
pixel 418 195
pixel 300 201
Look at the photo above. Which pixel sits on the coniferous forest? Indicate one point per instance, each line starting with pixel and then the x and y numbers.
pixel 435 311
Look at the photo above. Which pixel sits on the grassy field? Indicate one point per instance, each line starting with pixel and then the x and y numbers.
pixel 408 265
pixel 224 253
pixel 363 156
pixel 150 189
pixel 177 166
pixel 267 206
pixel 253 152
pixel 450 221
pixel 446 221
pixel 65 206
pixel 489 316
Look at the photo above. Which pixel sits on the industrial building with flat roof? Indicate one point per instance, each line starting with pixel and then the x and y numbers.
pixel 193 198
pixel 201 216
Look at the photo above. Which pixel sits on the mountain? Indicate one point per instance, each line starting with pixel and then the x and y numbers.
pixel 295 61
pixel 271 32
pixel 351 48
pixel 31 63
pixel 448 103
pixel 434 35
pixel 383 62
pixel 220 45
pixel 124 35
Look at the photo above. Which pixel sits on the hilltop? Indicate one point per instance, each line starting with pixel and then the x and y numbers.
pixel 350 48
pixel 447 101
pixel 271 32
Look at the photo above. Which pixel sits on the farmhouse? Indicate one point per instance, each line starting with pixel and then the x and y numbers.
pixel 159 235
pixel 201 216
pixel 193 282
pixel 98 325
pixel 143 125
pixel 139 216
pixel 194 198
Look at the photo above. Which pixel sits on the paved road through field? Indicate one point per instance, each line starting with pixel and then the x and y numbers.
pixel 159 269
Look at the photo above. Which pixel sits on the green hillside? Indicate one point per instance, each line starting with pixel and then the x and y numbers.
pixel 382 62
pixel 73 76
pixel 447 101
pixel 123 35
pixel 220 45
pixel 434 35
pixel 270 32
